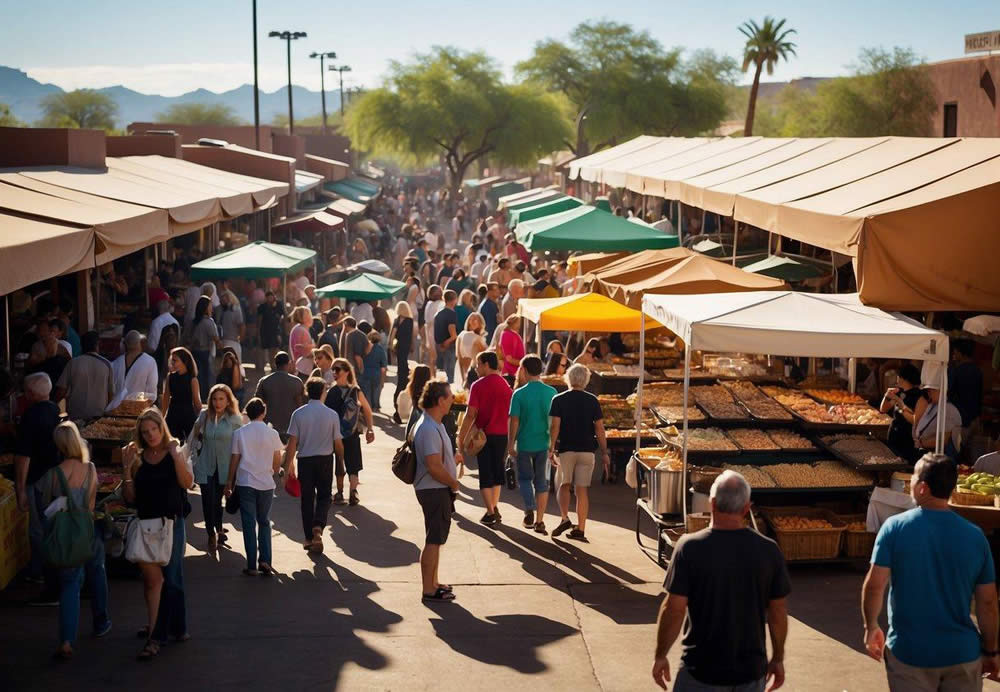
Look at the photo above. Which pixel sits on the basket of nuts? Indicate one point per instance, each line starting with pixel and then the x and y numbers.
pixel 806 533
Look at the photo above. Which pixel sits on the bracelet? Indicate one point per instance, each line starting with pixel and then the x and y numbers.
pixel 984 652
pixel 127 480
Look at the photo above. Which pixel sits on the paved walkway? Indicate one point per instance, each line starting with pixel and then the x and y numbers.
pixel 532 613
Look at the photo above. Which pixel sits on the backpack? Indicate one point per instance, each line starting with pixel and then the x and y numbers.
pixel 347 407
pixel 69 534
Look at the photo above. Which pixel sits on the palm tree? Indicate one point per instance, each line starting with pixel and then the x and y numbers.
pixel 765 45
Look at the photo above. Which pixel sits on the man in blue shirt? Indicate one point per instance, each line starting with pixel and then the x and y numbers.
pixel 490 309
pixel 934 562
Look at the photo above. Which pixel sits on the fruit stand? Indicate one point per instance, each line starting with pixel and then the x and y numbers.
pixel 741 414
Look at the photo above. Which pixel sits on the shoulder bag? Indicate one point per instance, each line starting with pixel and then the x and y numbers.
pixel 149 540
pixel 474 441
pixel 69 535
pixel 404 462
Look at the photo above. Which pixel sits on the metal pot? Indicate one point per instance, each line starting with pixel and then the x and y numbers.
pixel 665 491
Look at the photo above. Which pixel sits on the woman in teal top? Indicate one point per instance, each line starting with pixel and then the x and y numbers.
pixel 465 307
pixel 215 428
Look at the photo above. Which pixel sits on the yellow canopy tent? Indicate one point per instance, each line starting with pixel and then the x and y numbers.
pixel 584 312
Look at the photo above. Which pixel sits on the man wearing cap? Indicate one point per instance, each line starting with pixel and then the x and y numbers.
pixel 134 371
pixel 925 416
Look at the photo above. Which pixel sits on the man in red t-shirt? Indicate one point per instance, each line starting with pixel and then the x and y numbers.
pixel 489 407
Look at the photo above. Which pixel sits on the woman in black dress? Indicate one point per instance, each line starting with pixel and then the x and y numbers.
pixel 401 339
pixel 181 393
pixel 155 480
pixel 902 400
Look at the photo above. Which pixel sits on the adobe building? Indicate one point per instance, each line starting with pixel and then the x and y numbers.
pixel 966 96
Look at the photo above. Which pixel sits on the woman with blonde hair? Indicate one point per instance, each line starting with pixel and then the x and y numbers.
pixel 156 479
pixel 76 478
pixel 402 345
pixel 470 342
pixel 214 429
pixel 300 341
pixel 346 398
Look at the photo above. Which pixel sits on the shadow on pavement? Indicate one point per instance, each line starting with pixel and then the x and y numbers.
pixel 500 640
pixel 367 537
pixel 827 598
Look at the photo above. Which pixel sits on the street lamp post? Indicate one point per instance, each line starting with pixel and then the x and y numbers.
pixel 288 37
pixel 322 80
pixel 342 69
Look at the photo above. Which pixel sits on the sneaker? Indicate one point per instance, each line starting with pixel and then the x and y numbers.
pixel 338 499
pixel 540 528
pixel 488 519
pixel 354 498
pixel 577 535
pixel 529 519
pixel 564 525
pixel 497 512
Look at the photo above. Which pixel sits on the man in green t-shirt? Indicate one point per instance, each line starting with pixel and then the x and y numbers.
pixel 528 428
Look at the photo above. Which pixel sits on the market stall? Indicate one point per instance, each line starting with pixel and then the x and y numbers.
pixel 591 229
pixel 364 286
pixel 259 260
pixel 581 265
pixel 778 323
pixel 544 208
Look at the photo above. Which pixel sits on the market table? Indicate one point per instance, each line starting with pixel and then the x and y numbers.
pixel 985 517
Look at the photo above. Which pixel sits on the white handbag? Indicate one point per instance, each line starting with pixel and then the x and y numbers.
pixel 149 540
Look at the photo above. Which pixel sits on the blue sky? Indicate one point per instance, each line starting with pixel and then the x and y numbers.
pixel 172 47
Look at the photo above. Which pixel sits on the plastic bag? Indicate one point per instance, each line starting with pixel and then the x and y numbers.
pixel 631 474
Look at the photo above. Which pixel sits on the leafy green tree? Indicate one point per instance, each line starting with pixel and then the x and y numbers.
pixel 7 118
pixel 200 114
pixel 890 93
pixel 619 82
pixel 452 106
pixel 83 108
pixel 766 44
pixel 332 119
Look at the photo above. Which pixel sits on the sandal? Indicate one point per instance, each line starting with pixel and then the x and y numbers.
pixel 446 587
pixel 149 651
pixel 440 595
pixel 540 528
pixel 143 633
pixel 577 535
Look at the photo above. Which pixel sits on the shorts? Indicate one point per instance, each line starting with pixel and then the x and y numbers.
pixel 575 468
pixel 351 465
pixel 491 461
pixel 437 505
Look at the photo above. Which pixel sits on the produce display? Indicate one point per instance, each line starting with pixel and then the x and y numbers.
pixel 704 440
pixel 119 429
pixel 753 439
pixel 662 395
pixel 718 402
pixel 822 474
pixel 131 408
pixel 834 396
pixel 675 414
pixel 858 414
pixel 605 368
pixel 552 380
pixel 857 526
pixel 799 403
pixel 625 418
pixel 660 357
pixel 461 397
pixel 757 402
pixel 861 449
pixel 628 371
pixel 787 439
pixel 980 483
pixel 108 481
pixel 793 523
pixel 755 476
pixel 627 433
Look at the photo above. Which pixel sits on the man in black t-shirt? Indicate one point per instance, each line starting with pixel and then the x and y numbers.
pixel 445 333
pixel 729 580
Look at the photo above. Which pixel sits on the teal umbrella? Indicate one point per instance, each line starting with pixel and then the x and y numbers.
pixel 602 203
pixel 589 229
pixel 258 260
pixel 362 287
pixel 545 208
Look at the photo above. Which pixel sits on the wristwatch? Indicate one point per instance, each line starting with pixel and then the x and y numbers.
pixel 991 654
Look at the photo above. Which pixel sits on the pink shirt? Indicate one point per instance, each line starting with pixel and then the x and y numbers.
pixel 300 345
pixel 490 396
pixel 513 347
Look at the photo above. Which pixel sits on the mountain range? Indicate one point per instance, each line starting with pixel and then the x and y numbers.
pixel 24 95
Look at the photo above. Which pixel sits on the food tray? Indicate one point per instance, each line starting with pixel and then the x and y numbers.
pixel 806 544
pixel 734 434
pixel 900 465
pixel 756 401
pixel 668 415
pixel 811 449
pixel 672 441
pixel 827 396
pixel 857 544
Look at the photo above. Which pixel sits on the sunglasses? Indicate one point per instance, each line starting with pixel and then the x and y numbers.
pixel 335 368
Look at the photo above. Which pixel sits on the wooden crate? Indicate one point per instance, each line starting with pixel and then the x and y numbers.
pixel 697 522
pixel 806 544
pixel 857 544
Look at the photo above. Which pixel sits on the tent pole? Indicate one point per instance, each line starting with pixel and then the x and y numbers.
pixel 684 440
pixel 941 411
pixel 538 337
pixel 852 375
pixel 642 368
pixel 736 238
pixel 6 329
pixel 680 225
pixel 703 217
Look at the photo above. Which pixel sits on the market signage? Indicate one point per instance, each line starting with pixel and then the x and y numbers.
pixel 986 41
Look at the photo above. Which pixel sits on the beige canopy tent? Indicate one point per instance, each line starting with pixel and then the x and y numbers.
pixel 652 178
pixel 615 173
pixel 583 166
pixel 580 265
pixel 310 222
pixel 345 207
pixel 33 250
pixel 120 228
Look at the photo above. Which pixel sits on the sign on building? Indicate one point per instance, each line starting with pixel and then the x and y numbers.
pixel 986 41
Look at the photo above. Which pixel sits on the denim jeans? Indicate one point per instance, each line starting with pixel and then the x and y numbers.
pixel 446 362
pixel 171 621
pixel 686 683
pixel 532 476
pixel 69 597
pixel 368 386
pixel 255 510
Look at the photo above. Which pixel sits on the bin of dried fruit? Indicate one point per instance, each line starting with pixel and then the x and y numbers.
pixel 131 408
pixel 117 429
pixel 751 439
pixel 701 440
pixel 805 533
pixel 834 396
pixel 760 405
pixel 675 414
pixel 754 475
pixel 861 450
pixel 662 394
pixel 789 440
pixel 718 403
pixel 822 474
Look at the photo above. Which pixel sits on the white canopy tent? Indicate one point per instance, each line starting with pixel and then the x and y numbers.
pixel 786 323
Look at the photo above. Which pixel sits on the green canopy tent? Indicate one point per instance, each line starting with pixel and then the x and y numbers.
pixel 546 208
pixel 785 268
pixel 602 203
pixel 363 186
pixel 589 229
pixel 259 260
pixel 362 287
pixel 342 189
pixel 501 189
pixel 539 197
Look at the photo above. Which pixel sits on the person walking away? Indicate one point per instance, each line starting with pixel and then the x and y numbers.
pixel 445 333
pixel 511 348
pixel 300 342
pixel 204 335
pixel 402 343
pixel 489 404
pixel 934 563
pixel 256 457
pixel 528 436
pixel 270 315
pixel 434 305
pixel 435 485
pixel 489 308
pixel 164 318
pixel 135 372
pixel 723 584
pixel 229 316
pixel 354 410
pixel 215 427
pixel 375 364
pixel 231 374
pixel 87 383
pixel 282 393
pixel 181 393
pixel 354 345
pixel 156 477
pixel 314 433
pixel 80 477
pixel 576 430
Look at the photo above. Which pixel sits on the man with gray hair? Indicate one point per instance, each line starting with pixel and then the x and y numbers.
pixel 728 580
pixel 134 371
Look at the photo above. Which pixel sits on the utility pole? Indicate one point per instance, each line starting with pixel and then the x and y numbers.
pixel 322 80
pixel 288 37
pixel 256 83
pixel 342 69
